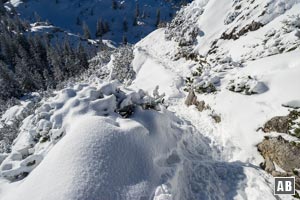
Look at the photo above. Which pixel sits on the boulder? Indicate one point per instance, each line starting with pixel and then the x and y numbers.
pixel 280 151
pixel 192 100
pixel 278 124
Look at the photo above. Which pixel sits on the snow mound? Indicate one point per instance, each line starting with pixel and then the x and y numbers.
pixel 50 122
pixel 78 146
pixel 247 85
pixel 292 104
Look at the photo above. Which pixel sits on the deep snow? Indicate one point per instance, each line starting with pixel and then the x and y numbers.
pixel 174 153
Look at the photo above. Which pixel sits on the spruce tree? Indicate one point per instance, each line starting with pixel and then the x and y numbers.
pixel 125 25
pixel 114 5
pixel 86 31
pixel 100 28
pixel 78 21
pixel 106 27
pixel 124 40
pixel 157 17
pixel 2 9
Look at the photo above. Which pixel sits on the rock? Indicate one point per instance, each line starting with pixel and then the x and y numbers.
pixel 269 165
pixel 297 34
pixel 192 100
pixel 277 124
pixel 280 151
pixel 216 117
pixel 283 124
pixel 248 28
pixel 200 105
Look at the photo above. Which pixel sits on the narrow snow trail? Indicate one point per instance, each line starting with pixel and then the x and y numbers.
pixel 231 180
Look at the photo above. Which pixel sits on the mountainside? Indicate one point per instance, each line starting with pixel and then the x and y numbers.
pixel 109 19
pixel 207 107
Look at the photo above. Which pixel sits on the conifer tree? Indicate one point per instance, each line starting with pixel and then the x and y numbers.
pixel 114 5
pixel 86 31
pixel 157 18
pixel 125 25
pixel 100 28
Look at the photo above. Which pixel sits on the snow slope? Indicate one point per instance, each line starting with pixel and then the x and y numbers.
pixel 231 146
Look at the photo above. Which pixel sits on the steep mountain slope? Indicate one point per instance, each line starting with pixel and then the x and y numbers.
pixel 118 19
pixel 242 68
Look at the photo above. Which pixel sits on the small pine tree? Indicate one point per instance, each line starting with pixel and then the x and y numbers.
pixel 135 21
pixel 100 28
pixel 124 39
pixel 125 25
pixel 86 31
pixel 37 17
pixel 157 18
pixel 106 27
pixel 136 14
pixel 78 21
pixel 92 12
pixel 114 5
pixel 2 9
pixel 137 10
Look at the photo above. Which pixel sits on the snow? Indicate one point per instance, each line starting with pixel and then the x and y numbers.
pixel 251 112
pixel 103 154
pixel 292 104
pixel 77 145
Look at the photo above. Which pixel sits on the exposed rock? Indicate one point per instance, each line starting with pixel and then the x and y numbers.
pixel 200 105
pixel 280 151
pixel 269 165
pixel 192 100
pixel 277 124
pixel 284 124
pixel 284 154
pixel 248 28
pixel 297 34
pixel 216 117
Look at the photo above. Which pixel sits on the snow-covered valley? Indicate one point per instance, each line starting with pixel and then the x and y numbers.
pixel 187 116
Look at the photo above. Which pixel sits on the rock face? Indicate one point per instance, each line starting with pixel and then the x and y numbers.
pixel 283 124
pixel 280 151
pixel 234 34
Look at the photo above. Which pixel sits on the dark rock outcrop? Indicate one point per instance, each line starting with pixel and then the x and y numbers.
pixel 282 152
pixel 248 28
pixel 282 124
pixel 278 124
pixel 192 100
